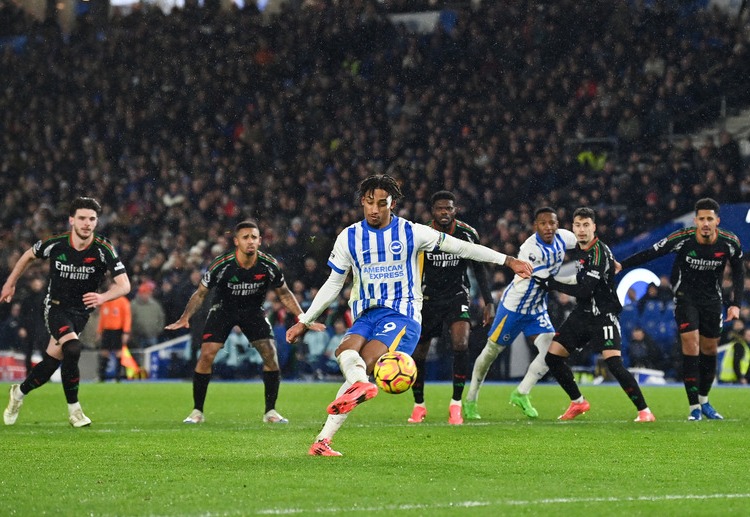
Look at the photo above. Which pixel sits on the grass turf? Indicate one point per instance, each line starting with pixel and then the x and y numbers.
pixel 137 458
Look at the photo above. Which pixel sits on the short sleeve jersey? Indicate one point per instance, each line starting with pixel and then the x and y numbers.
pixel 698 268
pixel 445 274
pixel 386 264
pixel 523 295
pixel 237 288
pixel 74 273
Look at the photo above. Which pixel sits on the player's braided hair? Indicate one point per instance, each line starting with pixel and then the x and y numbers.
pixel 87 203
pixel 382 182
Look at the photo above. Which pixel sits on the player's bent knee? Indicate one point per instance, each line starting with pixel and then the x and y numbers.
pixel 543 342
pixel 614 363
pixel 271 363
pixel 205 363
pixel 493 346
pixel 72 350
pixel 461 346
pixel 348 358
pixel 553 360
pixel 48 364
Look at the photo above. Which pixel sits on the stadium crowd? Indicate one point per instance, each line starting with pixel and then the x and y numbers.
pixel 184 124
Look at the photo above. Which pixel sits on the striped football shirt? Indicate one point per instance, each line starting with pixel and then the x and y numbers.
pixel 523 295
pixel 386 264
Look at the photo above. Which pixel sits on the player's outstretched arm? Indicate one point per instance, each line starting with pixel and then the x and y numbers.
pixel 290 302
pixel 481 253
pixel 9 287
pixel 519 267
pixel 196 300
pixel 328 292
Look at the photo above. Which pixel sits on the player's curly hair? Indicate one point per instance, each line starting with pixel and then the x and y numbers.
pixel 707 204
pixel 442 194
pixel 382 182
pixel 87 203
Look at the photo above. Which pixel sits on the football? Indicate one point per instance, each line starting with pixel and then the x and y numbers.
pixel 395 372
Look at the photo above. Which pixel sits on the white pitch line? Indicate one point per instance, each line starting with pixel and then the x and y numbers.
pixel 500 503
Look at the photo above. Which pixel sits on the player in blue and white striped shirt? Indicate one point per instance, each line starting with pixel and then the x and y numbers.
pixel 384 253
pixel 523 309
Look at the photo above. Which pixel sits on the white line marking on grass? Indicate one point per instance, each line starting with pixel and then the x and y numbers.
pixel 500 503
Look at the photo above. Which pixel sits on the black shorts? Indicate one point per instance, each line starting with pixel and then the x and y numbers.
pixel 111 340
pixel 706 319
pixel 582 329
pixel 437 314
pixel 220 322
pixel 61 322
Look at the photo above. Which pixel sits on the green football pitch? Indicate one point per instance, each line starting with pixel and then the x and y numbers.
pixel 138 458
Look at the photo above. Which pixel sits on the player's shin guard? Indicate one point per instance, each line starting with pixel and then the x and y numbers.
pixel 352 366
pixel 460 370
pixel 538 367
pixel 690 374
pixel 271 381
pixel 418 387
pixel 69 372
pixel 481 366
pixel 706 373
pixel 563 374
pixel 41 373
pixel 200 388
pixel 627 382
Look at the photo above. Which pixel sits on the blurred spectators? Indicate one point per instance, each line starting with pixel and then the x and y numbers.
pixel 147 317
pixel 511 105
pixel 12 333
pixel 32 320
pixel 735 363
pixel 643 352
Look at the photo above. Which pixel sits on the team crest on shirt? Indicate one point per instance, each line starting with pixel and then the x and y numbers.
pixel 532 257
pixel 396 247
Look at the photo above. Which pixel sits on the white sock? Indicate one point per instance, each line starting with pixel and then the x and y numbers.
pixel 538 366
pixel 334 422
pixel 74 406
pixel 455 402
pixel 332 425
pixel 579 399
pixel 702 399
pixel 352 366
pixel 18 394
pixel 481 366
